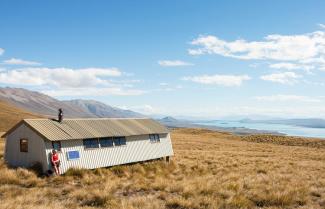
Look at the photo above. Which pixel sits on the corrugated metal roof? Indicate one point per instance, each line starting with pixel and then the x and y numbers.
pixel 94 128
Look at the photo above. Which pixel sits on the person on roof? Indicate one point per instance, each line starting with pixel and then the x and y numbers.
pixel 60 115
pixel 55 162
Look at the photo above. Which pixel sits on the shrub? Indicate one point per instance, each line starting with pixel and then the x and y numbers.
pixel 96 198
pixel 240 201
pixel 177 203
pixel 76 172
pixel 118 170
pixel 8 176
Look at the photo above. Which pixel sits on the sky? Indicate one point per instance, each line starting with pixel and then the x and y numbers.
pixel 204 59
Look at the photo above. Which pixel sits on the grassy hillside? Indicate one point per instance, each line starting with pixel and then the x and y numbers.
pixel 209 170
pixel 286 140
pixel 10 115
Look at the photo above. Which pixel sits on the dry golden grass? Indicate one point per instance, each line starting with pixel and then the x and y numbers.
pixel 209 170
pixel 286 140
pixel 11 115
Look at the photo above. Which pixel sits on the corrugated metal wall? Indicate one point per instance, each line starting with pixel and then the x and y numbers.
pixel 137 148
pixel 36 148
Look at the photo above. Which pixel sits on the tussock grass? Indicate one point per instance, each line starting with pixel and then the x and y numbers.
pixel 286 140
pixel 209 170
pixel 76 172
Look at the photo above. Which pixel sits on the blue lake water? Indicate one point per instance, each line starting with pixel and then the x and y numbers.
pixel 281 128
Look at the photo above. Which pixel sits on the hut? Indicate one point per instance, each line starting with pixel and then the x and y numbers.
pixel 86 143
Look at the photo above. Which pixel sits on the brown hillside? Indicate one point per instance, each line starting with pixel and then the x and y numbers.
pixel 10 115
pixel 210 170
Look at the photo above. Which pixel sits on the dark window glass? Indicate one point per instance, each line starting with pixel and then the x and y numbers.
pixel 154 138
pixel 91 143
pixel 23 145
pixel 157 138
pixel 56 145
pixel 106 142
pixel 123 140
pixel 118 141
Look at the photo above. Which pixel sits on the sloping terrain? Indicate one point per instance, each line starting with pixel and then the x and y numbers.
pixel 286 140
pixel 42 104
pixel 10 115
pixel 209 170
pixel 38 103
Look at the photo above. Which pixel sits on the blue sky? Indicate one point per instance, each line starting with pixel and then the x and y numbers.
pixel 208 59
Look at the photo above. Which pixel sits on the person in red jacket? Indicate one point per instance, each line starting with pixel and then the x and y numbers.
pixel 55 162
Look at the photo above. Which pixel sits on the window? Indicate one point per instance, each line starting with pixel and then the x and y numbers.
pixel 91 143
pixel 106 142
pixel 123 140
pixel 154 138
pixel 73 155
pixel 23 145
pixel 118 141
pixel 56 145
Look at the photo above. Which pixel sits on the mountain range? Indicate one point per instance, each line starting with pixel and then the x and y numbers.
pixel 41 104
pixel 19 103
pixel 102 110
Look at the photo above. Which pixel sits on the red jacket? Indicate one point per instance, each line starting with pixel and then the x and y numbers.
pixel 55 157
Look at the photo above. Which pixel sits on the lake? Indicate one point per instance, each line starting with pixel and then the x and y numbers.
pixel 281 128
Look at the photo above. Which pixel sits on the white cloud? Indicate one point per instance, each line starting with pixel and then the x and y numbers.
pixel 322 26
pixel 287 98
pixel 173 63
pixel 1 51
pixel 71 82
pixel 14 61
pixel 60 77
pixel 308 48
pixel 274 47
pixel 223 80
pixel 290 66
pixel 283 78
pixel 93 91
pixel 317 62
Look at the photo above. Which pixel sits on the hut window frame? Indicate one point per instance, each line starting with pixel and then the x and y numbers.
pixel 103 142
pixel 91 143
pixel 23 145
pixel 154 138
pixel 58 148
pixel 119 141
